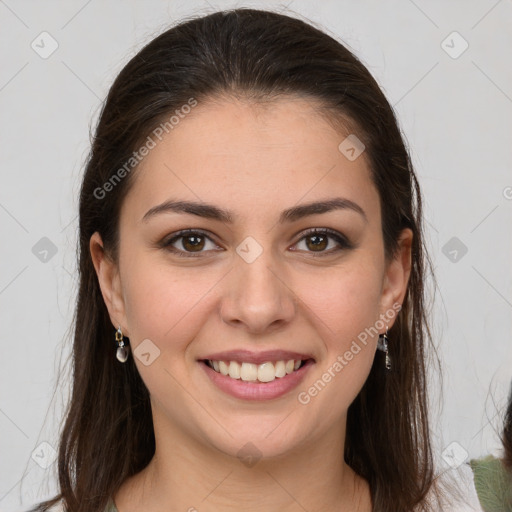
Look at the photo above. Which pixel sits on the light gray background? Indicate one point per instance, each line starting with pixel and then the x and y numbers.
pixel 456 114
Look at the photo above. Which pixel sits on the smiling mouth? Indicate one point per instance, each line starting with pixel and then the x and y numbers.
pixel 262 373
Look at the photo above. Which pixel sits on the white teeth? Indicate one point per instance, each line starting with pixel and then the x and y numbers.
pixel 266 372
pixel 280 368
pixel 250 372
pixel 223 367
pixel 234 370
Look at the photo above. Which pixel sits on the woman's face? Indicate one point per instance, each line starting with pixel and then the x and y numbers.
pixel 250 283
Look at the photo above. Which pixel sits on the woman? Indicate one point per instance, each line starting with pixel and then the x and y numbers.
pixel 250 327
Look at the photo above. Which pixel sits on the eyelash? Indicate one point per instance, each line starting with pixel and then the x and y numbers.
pixel 342 241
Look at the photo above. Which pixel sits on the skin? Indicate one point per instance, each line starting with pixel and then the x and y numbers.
pixel 255 160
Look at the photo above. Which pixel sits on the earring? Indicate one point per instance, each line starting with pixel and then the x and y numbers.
pixel 382 345
pixel 122 350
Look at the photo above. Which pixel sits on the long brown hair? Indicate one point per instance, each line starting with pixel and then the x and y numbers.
pixel 108 434
pixel 507 434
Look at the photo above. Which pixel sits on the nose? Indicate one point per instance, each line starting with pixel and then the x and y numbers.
pixel 257 296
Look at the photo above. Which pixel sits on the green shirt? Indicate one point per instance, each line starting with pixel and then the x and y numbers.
pixel 493 484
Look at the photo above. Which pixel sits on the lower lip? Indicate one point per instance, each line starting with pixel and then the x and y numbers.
pixel 257 390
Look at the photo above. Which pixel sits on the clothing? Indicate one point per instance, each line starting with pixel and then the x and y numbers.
pixel 493 484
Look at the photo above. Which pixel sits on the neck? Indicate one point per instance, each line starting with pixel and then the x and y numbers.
pixel 188 475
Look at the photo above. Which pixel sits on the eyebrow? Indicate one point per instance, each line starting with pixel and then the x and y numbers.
pixel 295 213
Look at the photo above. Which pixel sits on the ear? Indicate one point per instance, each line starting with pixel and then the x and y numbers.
pixel 397 275
pixel 109 281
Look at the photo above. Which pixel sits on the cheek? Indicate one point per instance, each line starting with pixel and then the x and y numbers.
pixel 165 306
pixel 345 307
pixel 345 301
pixel 157 297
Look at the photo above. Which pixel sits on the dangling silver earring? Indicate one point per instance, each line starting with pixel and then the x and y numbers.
pixel 382 345
pixel 122 350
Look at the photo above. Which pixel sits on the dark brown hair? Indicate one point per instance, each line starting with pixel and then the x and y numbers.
pixel 507 434
pixel 258 55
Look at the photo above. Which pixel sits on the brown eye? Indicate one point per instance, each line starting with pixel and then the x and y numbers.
pixel 323 241
pixel 317 242
pixel 190 243
pixel 193 243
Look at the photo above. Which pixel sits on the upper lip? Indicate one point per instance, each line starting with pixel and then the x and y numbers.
pixel 246 356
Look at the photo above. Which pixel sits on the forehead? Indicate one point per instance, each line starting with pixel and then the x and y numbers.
pixel 252 158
